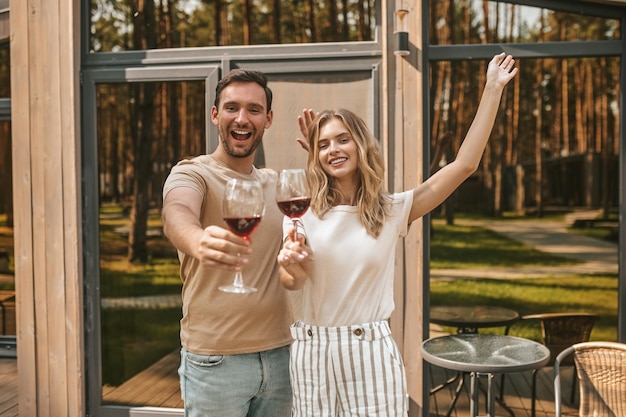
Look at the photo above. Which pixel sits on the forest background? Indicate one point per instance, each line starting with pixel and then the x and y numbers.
pixel 556 145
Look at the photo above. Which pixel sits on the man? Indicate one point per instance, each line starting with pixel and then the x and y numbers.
pixel 235 347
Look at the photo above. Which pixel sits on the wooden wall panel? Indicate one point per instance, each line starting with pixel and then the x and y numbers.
pixel 23 232
pixel 405 100
pixel 410 119
pixel 46 152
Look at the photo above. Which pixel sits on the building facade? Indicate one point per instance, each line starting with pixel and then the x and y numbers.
pixel 58 83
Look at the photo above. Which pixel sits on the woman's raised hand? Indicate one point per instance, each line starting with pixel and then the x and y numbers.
pixel 304 120
pixel 501 69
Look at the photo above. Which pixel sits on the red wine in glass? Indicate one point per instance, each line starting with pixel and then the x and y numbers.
pixel 242 209
pixel 294 207
pixel 243 226
pixel 292 195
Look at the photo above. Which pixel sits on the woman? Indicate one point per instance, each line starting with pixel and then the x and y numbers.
pixel 343 358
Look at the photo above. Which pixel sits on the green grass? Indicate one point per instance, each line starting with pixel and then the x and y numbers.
pixel 598 232
pixel 460 247
pixel 475 247
pixel 593 294
pixel 119 278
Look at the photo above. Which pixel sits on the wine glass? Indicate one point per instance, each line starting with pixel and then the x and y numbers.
pixel 242 209
pixel 292 195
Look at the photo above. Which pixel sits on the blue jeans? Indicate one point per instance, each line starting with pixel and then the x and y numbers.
pixel 246 385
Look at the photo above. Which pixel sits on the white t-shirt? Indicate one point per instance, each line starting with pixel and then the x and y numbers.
pixel 353 273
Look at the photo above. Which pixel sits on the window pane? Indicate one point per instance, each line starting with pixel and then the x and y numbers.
pixel 554 149
pixel 555 144
pixel 135 25
pixel 354 91
pixel 143 129
pixel 477 21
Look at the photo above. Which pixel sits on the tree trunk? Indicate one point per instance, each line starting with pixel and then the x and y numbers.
pixel 538 137
pixel 137 239
pixel 114 160
pixel 247 22
pixel 345 29
pixel 580 119
pixel 520 189
pixel 311 13
pixel 487 172
pixel 363 22
pixel 145 32
pixel 276 17
pixel 487 35
pixel 217 23
pixel 334 21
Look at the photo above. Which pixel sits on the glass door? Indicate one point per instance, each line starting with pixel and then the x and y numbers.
pixel 141 123
pixel 138 124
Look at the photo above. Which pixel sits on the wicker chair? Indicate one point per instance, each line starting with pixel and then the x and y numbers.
pixel 601 370
pixel 559 331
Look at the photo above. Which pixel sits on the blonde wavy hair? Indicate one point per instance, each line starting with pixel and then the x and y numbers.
pixel 372 200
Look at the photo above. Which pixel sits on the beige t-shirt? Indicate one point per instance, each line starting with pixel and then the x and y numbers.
pixel 215 322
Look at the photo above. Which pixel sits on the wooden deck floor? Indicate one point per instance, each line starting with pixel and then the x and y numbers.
pixel 8 387
pixel 158 386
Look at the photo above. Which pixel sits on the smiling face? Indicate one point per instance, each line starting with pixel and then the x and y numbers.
pixel 241 119
pixel 338 151
pixel 345 165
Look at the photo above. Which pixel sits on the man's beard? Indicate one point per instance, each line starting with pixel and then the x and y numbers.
pixel 236 152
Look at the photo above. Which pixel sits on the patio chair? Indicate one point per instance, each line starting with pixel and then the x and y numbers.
pixel 558 332
pixel 601 370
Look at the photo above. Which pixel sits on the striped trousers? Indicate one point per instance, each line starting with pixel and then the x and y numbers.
pixel 347 371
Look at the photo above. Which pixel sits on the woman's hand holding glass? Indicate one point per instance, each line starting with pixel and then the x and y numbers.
pixel 294 258
pixel 294 249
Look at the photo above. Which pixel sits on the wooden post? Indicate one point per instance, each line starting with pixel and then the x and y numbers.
pixel 45 58
pixel 405 144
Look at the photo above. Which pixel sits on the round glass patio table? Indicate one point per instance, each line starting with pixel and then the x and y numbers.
pixel 484 355
pixel 468 319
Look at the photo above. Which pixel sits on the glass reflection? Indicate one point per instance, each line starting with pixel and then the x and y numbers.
pixel 554 151
pixel 140 302
pixel 5 71
pixel 477 21
pixel 143 129
pixel 557 144
pixel 138 25
pixel 7 264
pixel 353 91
